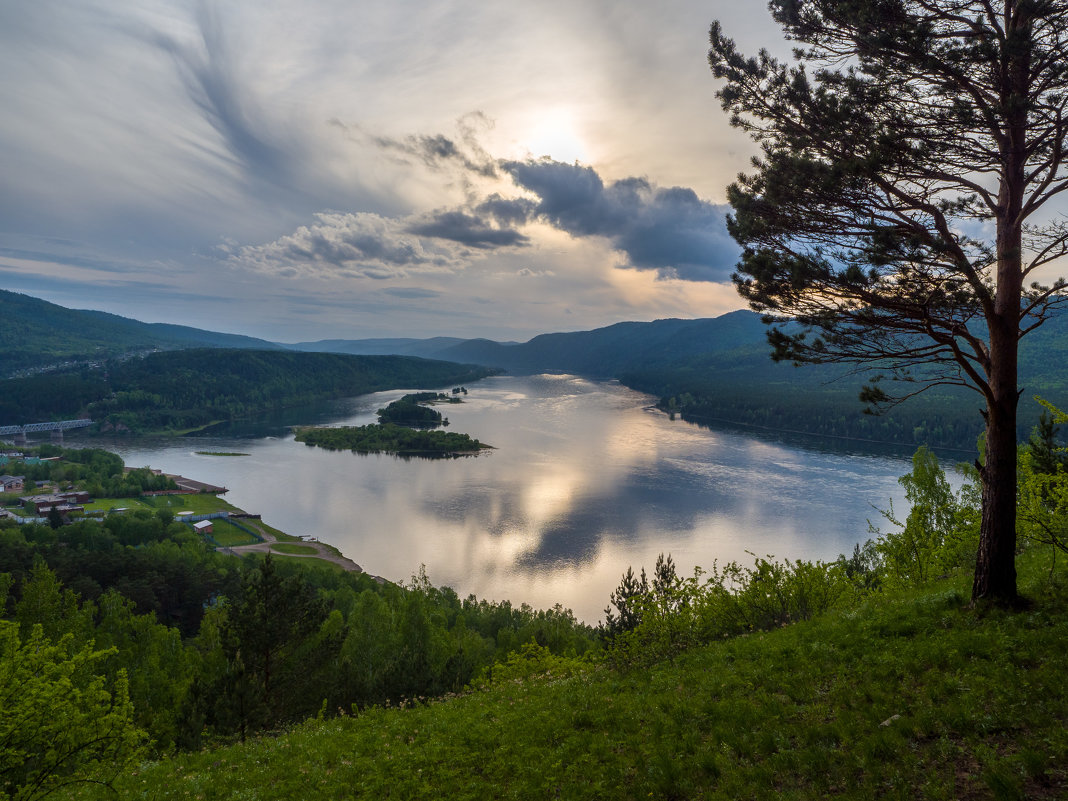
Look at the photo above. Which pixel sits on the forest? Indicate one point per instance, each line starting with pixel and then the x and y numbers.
pixel 209 647
pixel 176 391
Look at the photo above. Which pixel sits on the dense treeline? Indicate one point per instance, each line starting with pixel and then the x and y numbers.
pixel 816 401
pixel 189 389
pixel 192 388
pixel 743 386
pixel 390 438
pixel 206 645
pixel 55 396
pixel 99 472
pixel 410 412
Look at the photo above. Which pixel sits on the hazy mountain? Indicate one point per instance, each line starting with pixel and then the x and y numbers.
pixel 602 352
pixel 426 348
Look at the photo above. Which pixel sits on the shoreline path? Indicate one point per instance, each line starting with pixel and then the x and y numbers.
pixel 321 551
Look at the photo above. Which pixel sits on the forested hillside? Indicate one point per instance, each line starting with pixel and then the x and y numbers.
pixel 35 333
pixel 188 389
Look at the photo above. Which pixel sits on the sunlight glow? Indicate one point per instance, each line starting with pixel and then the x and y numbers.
pixel 554 133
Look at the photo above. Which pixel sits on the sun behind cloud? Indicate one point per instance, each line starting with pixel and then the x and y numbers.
pixel 555 133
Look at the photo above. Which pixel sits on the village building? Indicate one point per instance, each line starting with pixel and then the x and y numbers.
pixel 12 483
pixel 64 501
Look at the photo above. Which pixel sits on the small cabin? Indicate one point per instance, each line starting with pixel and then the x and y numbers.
pixel 12 483
pixel 203 527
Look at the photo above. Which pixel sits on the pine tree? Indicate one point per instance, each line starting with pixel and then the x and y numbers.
pixel 901 205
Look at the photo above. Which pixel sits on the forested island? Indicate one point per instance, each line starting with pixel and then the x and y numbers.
pixel 391 438
pixel 403 428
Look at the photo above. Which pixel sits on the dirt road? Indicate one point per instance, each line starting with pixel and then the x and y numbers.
pixel 269 540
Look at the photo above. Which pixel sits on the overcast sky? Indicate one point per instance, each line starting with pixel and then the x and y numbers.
pixel 347 168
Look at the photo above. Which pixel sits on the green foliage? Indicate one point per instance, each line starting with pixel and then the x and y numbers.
pixel 63 722
pixel 217 647
pixel 940 532
pixel 817 401
pixel 676 614
pixel 1042 506
pixel 909 695
pixel 36 334
pixel 189 389
pixel 390 438
pixel 407 413
pixel 1047 455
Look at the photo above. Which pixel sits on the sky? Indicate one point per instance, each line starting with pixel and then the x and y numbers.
pixel 312 169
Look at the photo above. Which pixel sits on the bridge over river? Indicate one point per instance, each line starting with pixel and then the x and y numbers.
pixel 57 429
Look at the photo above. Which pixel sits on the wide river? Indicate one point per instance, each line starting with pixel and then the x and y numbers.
pixel 585 480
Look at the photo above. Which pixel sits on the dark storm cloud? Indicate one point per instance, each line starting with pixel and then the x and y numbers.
pixel 457 226
pixel 507 211
pixel 670 230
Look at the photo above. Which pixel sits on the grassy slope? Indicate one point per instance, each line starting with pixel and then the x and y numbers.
pixel 807 711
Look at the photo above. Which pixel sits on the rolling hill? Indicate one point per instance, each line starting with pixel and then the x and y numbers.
pixel 35 334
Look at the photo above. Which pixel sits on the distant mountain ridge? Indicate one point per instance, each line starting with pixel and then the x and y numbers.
pixel 715 370
pixel 600 353
pixel 35 333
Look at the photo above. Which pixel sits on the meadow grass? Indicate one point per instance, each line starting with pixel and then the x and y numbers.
pixel 294 549
pixel 911 695
pixel 107 504
pixel 200 503
pixel 227 535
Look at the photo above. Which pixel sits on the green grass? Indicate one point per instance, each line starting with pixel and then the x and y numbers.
pixel 227 534
pixel 105 504
pixel 308 562
pixel 200 503
pixel 913 695
pixel 292 548
pixel 280 535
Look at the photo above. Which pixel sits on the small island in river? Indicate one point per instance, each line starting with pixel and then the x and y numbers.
pixel 391 438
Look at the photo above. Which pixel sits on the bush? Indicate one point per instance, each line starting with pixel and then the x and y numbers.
pixel 725 602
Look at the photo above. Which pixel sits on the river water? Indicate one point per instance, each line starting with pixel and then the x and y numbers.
pixel 585 479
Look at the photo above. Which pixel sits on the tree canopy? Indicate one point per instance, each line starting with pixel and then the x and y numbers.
pixel 902 209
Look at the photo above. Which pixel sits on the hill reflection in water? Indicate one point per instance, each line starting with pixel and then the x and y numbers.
pixel 585 480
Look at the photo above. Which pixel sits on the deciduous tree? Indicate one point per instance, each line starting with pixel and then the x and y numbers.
pixel 902 207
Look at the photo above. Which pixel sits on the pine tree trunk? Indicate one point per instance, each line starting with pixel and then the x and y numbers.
pixel 995 564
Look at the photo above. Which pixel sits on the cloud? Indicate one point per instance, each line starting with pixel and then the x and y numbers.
pixel 467 229
pixel 372 246
pixel 670 230
pixel 213 83
pixel 411 292
pixel 439 151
